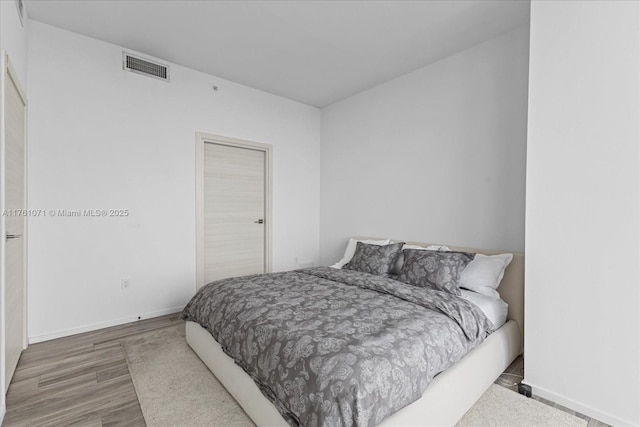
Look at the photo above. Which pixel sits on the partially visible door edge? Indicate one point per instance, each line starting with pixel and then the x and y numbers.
pixel 201 139
pixel 8 72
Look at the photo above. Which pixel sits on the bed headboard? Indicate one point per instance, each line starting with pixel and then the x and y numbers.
pixel 511 288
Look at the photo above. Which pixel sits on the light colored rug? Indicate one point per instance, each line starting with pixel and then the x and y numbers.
pixel 499 407
pixel 176 389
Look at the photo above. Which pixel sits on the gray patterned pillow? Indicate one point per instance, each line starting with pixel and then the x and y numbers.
pixel 433 269
pixel 374 259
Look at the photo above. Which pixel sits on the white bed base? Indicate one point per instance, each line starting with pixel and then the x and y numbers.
pixel 445 401
pixel 449 396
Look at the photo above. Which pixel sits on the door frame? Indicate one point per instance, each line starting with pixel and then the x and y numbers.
pixel 205 138
pixel 8 72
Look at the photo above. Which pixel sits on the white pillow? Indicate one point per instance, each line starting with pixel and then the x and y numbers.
pixel 484 273
pixel 495 309
pixel 351 250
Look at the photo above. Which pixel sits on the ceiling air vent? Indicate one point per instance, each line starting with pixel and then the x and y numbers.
pixel 140 65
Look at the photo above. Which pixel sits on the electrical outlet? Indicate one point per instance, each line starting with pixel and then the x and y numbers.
pixel 125 283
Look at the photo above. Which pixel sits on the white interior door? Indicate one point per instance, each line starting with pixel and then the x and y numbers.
pixel 234 193
pixel 15 223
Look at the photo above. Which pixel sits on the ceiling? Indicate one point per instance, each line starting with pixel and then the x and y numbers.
pixel 314 52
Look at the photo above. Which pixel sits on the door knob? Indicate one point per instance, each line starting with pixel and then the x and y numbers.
pixel 13 236
pixel 260 221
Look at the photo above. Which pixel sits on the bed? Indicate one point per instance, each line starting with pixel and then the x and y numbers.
pixel 449 394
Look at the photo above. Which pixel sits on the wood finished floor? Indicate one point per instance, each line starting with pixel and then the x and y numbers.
pixel 83 380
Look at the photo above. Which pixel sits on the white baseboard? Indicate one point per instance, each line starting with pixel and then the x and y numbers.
pixel 579 407
pixel 101 325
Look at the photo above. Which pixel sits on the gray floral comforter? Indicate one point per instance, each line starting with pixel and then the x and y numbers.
pixel 337 347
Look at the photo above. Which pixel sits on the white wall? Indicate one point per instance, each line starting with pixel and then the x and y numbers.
pixel 583 212
pixel 437 155
pixel 103 138
pixel 13 41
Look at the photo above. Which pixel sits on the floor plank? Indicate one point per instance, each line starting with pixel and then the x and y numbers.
pixel 121 369
pixel 81 380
